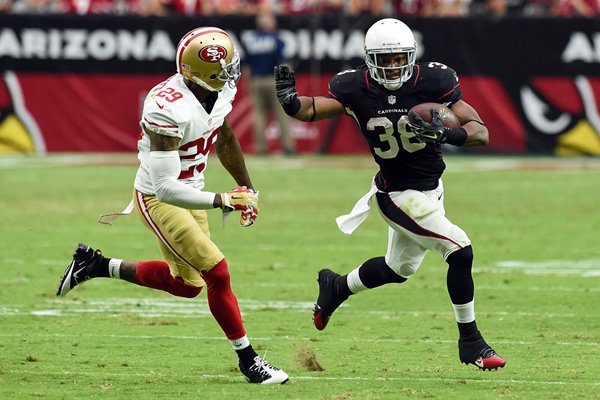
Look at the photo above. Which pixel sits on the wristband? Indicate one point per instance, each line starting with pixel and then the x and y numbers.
pixel 293 107
pixel 314 111
pixel 456 137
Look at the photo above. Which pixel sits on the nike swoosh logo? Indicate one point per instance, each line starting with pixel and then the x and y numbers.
pixel 439 198
pixel 159 105
pixel 76 274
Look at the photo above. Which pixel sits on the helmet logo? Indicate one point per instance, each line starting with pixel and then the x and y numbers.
pixel 212 53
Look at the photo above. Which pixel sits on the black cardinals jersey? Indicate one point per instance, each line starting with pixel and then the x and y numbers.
pixel 404 162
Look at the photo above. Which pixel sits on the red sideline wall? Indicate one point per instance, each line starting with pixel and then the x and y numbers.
pixel 77 84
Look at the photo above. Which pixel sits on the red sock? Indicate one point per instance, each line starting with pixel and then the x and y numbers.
pixel 222 302
pixel 156 275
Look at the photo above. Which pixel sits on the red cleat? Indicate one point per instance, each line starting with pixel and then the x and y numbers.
pixel 474 350
pixel 329 298
pixel 490 360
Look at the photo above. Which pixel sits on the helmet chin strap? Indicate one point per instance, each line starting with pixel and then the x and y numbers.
pixel 392 86
pixel 202 84
pixel 387 85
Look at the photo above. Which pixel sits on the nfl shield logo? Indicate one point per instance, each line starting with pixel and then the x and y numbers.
pixel 392 99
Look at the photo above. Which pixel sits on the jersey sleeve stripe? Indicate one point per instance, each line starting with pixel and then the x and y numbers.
pixel 449 91
pixel 160 126
pixel 332 95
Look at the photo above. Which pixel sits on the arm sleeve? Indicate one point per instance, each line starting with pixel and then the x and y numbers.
pixel 165 167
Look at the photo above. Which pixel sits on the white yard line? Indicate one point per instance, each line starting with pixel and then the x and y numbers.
pixel 583 268
pixel 579 268
pixel 233 379
pixel 198 308
pixel 285 338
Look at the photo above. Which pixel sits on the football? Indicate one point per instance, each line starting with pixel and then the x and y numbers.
pixel 424 110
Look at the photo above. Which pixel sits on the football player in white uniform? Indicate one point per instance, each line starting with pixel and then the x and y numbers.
pixel 182 117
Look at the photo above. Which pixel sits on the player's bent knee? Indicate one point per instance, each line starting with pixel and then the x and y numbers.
pixel 179 288
pixel 397 277
pixel 189 292
pixel 218 276
pixel 462 257
pixel 403 271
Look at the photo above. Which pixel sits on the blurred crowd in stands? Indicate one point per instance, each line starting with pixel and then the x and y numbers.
pixel 397 8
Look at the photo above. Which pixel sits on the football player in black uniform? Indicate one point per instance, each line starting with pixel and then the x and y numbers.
pixel 408 187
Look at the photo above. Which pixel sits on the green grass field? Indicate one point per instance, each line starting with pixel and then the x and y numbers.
pixel 534 224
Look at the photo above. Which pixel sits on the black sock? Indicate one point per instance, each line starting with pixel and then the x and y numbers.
pixel 459 279
pixel 342 286
pixel 375 272
pixel 100 270
pixel 246 356
pixel 467 329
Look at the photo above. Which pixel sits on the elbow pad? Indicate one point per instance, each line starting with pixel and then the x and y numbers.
pixel 165 167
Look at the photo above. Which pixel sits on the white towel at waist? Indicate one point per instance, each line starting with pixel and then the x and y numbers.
pixel 349 222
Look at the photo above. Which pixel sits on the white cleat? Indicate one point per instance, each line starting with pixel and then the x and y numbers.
pixel 264 373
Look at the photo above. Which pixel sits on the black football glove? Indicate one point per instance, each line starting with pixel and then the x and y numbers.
pixel 285 84
pixel 432 132
pixel 285 89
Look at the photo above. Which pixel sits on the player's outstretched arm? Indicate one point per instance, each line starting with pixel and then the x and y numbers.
pixel 303 108
pixel 477 132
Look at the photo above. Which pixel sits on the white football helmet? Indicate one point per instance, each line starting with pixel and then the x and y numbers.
pixel 390 36
pixel 207 57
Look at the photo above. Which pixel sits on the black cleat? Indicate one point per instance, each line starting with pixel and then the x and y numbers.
pixel 262 372
pixel 329 298
pixel 474 350
pixel 82 268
